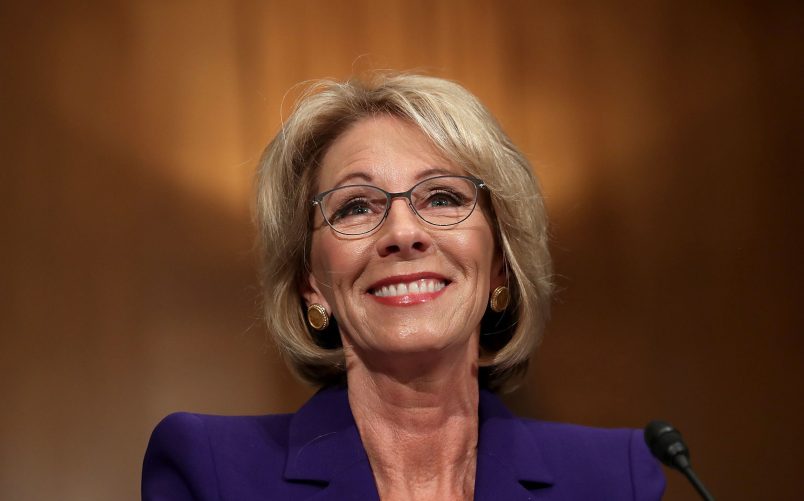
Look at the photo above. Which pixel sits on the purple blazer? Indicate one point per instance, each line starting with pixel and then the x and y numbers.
pixel 316 453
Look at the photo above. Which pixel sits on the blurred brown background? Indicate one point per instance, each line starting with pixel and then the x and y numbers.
pixel 666 135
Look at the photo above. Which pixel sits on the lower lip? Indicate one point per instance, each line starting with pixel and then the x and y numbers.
pixel 408 299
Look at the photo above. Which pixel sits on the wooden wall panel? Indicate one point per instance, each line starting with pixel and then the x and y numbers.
pixel 665 135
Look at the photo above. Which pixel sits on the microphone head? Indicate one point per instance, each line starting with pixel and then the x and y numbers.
pixel 666 445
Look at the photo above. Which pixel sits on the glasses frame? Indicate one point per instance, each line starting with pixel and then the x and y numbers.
pixel 389 197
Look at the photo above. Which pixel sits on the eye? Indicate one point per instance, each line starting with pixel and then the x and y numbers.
pixel 444 198
pixel 352 208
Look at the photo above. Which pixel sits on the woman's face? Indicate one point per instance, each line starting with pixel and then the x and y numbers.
pixel 454 268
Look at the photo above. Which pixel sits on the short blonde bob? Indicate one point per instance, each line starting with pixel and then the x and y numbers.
pixel 464 131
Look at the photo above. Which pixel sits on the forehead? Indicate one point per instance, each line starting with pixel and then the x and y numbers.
pixel 385 151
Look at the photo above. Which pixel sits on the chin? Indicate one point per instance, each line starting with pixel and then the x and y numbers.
pixel 417 340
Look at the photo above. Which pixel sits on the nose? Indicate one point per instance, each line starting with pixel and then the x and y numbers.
pixel 403 232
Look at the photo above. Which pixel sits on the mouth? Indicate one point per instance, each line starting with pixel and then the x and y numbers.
pixel 410 289
pixel 404 288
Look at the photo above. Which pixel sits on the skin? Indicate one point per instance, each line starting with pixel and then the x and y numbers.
pixel 411 363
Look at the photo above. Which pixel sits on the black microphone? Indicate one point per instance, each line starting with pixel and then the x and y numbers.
pixel 666 444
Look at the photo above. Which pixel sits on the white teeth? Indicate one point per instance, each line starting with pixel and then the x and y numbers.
pixel 417 287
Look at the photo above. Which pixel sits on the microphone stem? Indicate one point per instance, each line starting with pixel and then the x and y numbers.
pixel 697 484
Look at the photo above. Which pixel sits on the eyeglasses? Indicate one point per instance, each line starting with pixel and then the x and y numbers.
pixel 359 209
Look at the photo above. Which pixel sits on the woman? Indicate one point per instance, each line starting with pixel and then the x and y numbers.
pixel 406 273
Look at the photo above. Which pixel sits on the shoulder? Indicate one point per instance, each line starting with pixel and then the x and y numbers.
pixel 571 437
pixel 566 461
pixel 195 456
pixel 614 458
pixel 198 433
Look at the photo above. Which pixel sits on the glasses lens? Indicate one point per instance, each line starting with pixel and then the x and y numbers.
pixel 444 201
pixel 353 210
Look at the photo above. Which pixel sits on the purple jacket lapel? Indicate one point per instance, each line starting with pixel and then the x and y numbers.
pixel 508 458
pixel 325 447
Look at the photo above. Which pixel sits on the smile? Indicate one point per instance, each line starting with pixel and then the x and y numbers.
pixel 423 286
pixel 408 290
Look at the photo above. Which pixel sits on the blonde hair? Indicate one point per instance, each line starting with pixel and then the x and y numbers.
pixel 465 132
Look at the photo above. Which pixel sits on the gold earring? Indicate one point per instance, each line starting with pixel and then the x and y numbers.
pixel 499 299
pixel 317 317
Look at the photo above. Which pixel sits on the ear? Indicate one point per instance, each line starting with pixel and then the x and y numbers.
pixel 499 270
pixel 311 292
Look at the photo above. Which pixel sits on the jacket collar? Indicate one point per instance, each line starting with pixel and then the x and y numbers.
pixel 325 447
pixel 509 460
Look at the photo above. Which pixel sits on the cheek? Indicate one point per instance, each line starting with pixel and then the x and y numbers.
pixel 335 261
pixel 476 248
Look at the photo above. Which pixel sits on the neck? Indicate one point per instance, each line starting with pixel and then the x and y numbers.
pixel 420 432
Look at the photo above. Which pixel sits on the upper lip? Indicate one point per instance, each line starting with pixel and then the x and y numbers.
pixel 403 279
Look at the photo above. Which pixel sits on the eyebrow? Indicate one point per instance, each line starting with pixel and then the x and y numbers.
pixel 430 172
pixel 354 175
